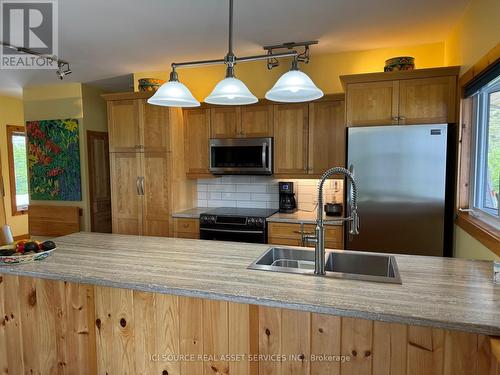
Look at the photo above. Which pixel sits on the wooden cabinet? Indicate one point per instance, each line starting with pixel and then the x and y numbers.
pixel 148 182
pixel 251 121
pixel 197 133
pixel 156 193
pixel 257 121
pixel 327 136
pixel 225 122
pixel 291 128
pixel 123 125
pixel 426 96
pixel 427 100
pixel 134 125
pixel 372 103
pixel 186 228
pixel 126 197
pixel 293 234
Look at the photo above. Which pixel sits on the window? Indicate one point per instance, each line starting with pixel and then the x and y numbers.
pixel 485 160
pixel 18 169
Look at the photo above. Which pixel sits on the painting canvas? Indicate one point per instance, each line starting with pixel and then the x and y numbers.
pixel 54 160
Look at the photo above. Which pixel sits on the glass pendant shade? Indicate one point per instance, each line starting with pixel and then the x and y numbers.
pixel 231 91
pixel 174 94
pixel 293 87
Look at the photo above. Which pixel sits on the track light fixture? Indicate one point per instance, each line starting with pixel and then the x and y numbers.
pixel 294 86
pixel 63 69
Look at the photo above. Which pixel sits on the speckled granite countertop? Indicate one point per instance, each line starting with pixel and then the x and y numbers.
pixel 192 213
pixel 437 292
pixel 299 217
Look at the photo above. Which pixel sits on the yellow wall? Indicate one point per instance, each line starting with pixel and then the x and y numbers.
pixel 477 32
pixel 324 69
pixel 11 113
pixel 71 100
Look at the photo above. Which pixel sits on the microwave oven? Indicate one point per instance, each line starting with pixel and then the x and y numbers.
pixel 250 156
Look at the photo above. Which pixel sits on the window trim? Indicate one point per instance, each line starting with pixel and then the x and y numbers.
pixel 11 130
pixel 480 225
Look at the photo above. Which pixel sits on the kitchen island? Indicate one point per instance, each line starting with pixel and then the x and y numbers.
pixel 116 304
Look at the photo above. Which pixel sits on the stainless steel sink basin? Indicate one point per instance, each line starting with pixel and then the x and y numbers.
pixel 339 264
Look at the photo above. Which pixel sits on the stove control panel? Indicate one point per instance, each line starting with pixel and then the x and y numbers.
pixel 208 219
pixel 256 222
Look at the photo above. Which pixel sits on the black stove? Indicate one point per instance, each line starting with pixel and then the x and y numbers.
pixel 235 224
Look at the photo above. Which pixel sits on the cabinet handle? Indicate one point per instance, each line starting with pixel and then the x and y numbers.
pixel 138 185
pixel 402 118
pixel 142 185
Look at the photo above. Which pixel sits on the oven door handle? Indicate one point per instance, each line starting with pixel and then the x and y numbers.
pixel 232 231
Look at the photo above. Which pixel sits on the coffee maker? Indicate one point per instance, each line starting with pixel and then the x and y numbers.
pixel 287 198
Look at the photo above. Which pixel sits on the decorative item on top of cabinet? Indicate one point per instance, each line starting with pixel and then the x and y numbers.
pixel 327 135
pixel 197 133
pixel 291 129
pixel 424 96
pixel 250 121
pixel 187 228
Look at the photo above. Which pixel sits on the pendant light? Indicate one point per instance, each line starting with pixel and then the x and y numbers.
pixel 173 94
pixel 294 86
pixel 231 91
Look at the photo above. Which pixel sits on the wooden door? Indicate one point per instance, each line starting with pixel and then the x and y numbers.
pixel 155 124
pixel 123 125
pixel 427 100
pixel 291 126
pixel 126 198
pixel 225 122
pixel 372 103
pixel 99 181
pixel 257 121
pixel 197 132
pixel 327 136
pixel 156 190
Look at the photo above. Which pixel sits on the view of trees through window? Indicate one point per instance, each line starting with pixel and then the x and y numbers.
pixel 493 157
pixel 20 169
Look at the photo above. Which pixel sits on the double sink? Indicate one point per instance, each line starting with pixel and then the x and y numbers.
pixel 339 264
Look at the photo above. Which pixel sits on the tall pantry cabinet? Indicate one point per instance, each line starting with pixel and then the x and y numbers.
pixel 148 181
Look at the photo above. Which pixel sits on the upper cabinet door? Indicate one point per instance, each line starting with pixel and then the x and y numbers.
pixel 197 132
pixel 225 122
pixel 154 124
pixel 326 136
pixel 257 121
pixel 372 103
pixel 427 100
pixel 291 127
pixel 123 125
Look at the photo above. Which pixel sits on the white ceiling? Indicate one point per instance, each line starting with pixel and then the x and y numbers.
pixel 104 39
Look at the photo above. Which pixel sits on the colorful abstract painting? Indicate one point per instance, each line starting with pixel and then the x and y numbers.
pixel 54 160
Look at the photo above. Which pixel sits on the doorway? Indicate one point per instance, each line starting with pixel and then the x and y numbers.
pixel 99 182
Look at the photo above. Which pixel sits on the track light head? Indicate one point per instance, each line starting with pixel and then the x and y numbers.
pixel 63 70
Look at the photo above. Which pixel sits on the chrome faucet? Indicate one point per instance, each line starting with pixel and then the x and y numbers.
pixel 319 237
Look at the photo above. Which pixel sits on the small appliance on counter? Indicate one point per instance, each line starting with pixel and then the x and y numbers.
pixel 288 204
pixel 333 209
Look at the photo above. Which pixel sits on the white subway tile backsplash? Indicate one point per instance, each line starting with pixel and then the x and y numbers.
pixel 262 192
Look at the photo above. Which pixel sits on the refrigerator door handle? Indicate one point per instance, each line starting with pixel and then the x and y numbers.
pixel 348 205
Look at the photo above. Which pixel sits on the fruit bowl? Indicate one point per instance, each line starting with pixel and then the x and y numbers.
pixel 6 260
pixel 25 251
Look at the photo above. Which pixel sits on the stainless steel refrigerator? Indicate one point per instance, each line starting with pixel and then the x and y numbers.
pixel 401 173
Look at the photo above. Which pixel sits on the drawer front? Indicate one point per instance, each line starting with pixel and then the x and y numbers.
pixel 187 226
pixel 282 230
pixel 284 241
pixel 194 236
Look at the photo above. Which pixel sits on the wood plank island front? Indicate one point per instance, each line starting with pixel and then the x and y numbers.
pixel 114 304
